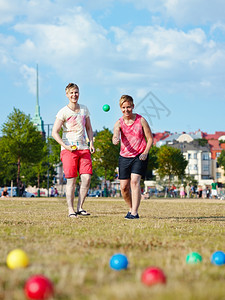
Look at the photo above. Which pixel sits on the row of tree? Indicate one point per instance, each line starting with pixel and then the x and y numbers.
pixel 27 156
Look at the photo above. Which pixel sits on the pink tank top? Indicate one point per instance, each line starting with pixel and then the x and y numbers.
pixel 133 140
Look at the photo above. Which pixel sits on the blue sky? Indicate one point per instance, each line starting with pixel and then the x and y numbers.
pixel 169 55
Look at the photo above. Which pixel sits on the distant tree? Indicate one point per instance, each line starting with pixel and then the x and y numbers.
pixel 221 142
pixel 40 173
pixel 54 151
pixel 105 158
pixel 152 161
pixel 221 160
pixel 202 142
pixel 21 141
pixel 95 180
pixel 33 174
pixel 171 162
pixel 8 171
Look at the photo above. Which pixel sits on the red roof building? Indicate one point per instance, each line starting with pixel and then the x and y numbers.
pixel 159 136
pixel 214 142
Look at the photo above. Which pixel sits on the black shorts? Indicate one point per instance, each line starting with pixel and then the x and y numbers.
pixel 128 165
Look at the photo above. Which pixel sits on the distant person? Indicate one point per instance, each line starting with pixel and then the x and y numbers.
pixel 56 192
pixel 197 192
pixel 204 192
pixel 187 190
pixel 166 191
pixel 5 192
pixel 192 191
pixel 173 191
pixel 214 189
pixel 207 192
pixel 182 192
pixel 52 192
pixel 75 155
pixel 21 189
pixel 136 141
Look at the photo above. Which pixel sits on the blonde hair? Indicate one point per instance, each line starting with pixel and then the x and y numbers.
pixel 126 98
pixel 71 86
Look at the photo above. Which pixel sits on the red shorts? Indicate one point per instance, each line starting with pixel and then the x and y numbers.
pixel 76 161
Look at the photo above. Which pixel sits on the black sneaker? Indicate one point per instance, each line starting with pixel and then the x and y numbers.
pixel 131 217
pixel 127 215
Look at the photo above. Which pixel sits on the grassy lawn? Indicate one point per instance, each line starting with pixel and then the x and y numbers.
pixel 75 253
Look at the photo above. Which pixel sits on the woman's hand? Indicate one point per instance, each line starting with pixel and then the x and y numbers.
pixel 143 156
pixel 115 140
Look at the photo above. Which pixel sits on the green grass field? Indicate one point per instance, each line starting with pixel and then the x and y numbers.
pixel 75 253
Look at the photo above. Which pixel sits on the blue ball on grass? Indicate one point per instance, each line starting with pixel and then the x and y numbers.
pixel 218 258
pixel 118 262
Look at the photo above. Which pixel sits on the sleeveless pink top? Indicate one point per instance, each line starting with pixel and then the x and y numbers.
pixel 133 140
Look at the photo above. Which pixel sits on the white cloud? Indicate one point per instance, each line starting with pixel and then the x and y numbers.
pixel 30 10
pixel 195 11
pixel 185 12
pixel 29 75
pixel 8 10
pixel 182 12
pixel 169 58
pixel 6 60
pixel 217 26
pixel 152 44
pixel 78 46
pixel 45 11
pixel 6 41
pixel 73 44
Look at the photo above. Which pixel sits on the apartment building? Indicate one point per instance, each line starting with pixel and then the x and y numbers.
pixel 202 161
pixel 199 160
pixel 216 145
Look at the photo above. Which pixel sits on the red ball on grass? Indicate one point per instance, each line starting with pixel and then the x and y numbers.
pixel 39 287
pixel 152 276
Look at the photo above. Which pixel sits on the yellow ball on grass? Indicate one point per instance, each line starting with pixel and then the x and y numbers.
pixel 17 258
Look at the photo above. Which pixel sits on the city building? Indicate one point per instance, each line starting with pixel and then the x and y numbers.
pixel 199 160
pixel 217 144
pixel 202 160
pixel 159 136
